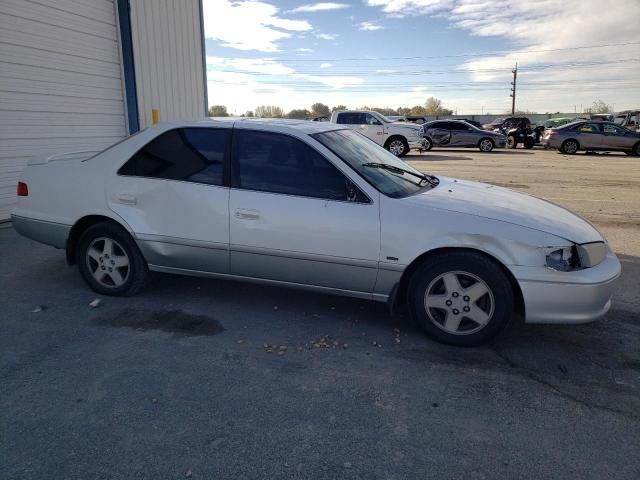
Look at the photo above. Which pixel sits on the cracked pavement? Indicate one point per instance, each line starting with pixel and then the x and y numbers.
pixel 189 379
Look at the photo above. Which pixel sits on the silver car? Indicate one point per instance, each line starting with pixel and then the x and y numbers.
pixel 592 135
pixel 458 133
pixel 315 206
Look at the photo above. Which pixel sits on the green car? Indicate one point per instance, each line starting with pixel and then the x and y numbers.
pixel 557 122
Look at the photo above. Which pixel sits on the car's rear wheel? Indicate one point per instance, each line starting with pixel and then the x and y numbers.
pixel 569 147
pixel 428 144
pixel 636 149
pixel 486 145
pixel 398 146
pixel 511 141
pixel 461 298
pixel 529 142
pixel 110 262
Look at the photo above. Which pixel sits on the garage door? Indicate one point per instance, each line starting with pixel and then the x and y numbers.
pixel 60 82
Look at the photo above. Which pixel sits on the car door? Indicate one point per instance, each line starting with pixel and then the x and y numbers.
pixel 462 135
pixel 295 217
pixel 616 138
pixel 171 193
pixel 439 133
pixel 372 128
pixel 589 135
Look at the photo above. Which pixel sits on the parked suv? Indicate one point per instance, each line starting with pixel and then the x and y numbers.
pixel 456 133
pixel 396 137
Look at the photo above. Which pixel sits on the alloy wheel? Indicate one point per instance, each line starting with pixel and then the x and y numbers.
pixel 460 303
pixel 486 145
pixel 108 262
pixel 396 147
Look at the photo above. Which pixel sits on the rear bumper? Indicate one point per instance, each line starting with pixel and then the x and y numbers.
pixel 49 233
pixel 568 297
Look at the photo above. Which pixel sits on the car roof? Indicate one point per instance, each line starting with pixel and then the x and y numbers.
pixel 304 126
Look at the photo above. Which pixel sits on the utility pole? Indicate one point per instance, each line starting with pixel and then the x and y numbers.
pixel 513 90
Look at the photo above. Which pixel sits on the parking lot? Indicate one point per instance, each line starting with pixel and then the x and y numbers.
pixel 211 379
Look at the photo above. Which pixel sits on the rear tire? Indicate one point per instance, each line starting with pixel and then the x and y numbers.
pixel 636 150
pixel 110 262
pixel 529 142
pixel 570 147
pixel 461 298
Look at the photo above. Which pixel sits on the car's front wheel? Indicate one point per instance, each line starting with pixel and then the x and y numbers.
pixel 636 149
pixel 398 146
pixel 428 144
pixel 110 262
pixel 511 141
pixel 461 298
pixel 486 145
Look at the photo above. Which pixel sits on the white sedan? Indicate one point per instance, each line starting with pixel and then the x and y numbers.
pixel 312 205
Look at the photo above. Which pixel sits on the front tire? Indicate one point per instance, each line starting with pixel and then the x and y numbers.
pixel 110 262
pixel 636 150
pixel 428 144
pixel 569 147
pixel 511 141
pixel 486 145
pixel 461 298
pixel 398 146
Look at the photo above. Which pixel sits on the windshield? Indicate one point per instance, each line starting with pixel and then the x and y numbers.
pixel 358 151
pixel 497 121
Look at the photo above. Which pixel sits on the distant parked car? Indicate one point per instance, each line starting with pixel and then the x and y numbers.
pixel 319 207
pixel 605 117
pixel 557 122
pixel 457 133
pixel 592 136
pixel 397 137
pixel 505 123
pixel 629 119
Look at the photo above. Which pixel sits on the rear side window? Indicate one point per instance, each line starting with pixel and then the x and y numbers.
pixel 190 154
pixel 588 128
pixel 351 118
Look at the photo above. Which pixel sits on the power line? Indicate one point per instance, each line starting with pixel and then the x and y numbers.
pixel 497 52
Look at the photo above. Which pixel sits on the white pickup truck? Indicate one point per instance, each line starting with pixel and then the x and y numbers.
pixel 396 137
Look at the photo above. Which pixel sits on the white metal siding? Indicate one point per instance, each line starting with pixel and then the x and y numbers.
pixel 167 52
pixel 60 82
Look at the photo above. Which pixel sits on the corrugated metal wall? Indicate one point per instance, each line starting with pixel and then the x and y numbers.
pixel 167 51
pixel 60 82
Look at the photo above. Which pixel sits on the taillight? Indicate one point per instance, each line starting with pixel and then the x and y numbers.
pixel 23 189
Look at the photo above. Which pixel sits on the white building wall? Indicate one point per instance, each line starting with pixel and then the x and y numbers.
pixel 60 82
pixel 168 58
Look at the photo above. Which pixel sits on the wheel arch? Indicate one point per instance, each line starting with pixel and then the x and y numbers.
pixel 81 226
pixel 400 292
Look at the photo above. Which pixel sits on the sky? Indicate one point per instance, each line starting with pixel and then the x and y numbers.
pixel 393 53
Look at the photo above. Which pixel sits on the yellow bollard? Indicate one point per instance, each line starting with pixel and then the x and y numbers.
pixel 155 115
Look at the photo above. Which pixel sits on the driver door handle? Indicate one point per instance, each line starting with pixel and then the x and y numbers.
pixel 126 198
pixel 247 214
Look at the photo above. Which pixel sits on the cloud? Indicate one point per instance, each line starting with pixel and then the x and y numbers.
pixel 248 25
pixel 319 7
pixel 327 36
pixel 304 50
pixel 369 26
pixel 403 8
pixel 326 65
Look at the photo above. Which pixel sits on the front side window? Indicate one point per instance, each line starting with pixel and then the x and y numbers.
pixel 365 157
pixel 276 163
pixel 610 128
pixel 371 120
pixel 458 126
pixel 190 154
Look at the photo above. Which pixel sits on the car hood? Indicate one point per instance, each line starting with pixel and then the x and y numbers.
pixel 506 205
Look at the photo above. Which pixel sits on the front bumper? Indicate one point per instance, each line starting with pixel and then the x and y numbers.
pixel 568 297
pixel 417 144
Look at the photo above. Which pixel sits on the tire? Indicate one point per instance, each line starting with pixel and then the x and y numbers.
pixel 110 262
pixel 569 147
pixel 529 142
pixel 428 144
pixel 486 145
pixel 636 150
pixel 511 141
pixel 433 306
pixel 398 146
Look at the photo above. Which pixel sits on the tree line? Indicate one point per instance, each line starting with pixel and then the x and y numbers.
pixel 432 106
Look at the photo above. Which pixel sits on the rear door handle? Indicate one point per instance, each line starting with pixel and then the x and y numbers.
pixel 126 198
pixel 247 214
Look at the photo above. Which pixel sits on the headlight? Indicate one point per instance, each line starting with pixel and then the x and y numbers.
pixel 564 259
